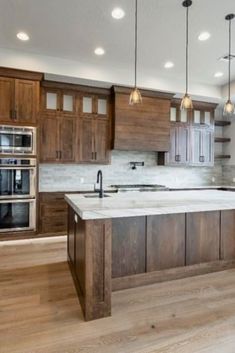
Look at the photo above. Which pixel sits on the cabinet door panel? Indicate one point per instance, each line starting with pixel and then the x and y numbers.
pixel 67 139
pixel 228 235
pixel 49 139
pixel 6 99
pixel 183 144
pixel 208 146
pixel 128 246
pixel 101 141
pixel 71 235
pixel 202 237
pixel 87 140
pixel 165 242
pixel 26 101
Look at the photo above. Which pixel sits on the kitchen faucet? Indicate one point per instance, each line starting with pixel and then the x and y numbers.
pixel 100 180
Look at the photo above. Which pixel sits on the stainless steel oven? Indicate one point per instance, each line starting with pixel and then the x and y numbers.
pixel 17 215
pixel 15 140
pixel 17 177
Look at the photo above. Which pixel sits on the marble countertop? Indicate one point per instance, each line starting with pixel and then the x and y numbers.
pixel 130 204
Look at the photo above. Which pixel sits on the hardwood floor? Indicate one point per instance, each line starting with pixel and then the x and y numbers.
pixel 40 313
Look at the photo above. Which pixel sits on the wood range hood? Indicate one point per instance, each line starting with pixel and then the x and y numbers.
pixel 141 127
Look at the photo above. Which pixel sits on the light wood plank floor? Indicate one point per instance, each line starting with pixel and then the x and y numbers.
pixel 40 313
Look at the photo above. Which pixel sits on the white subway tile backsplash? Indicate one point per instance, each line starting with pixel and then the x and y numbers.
pixel 68 177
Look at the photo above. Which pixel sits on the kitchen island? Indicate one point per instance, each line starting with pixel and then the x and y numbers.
pixel 130 239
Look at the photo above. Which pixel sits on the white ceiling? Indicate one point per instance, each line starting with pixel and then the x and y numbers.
pixel 71 29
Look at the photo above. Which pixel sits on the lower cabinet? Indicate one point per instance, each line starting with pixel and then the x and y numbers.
pixel 53 214
pixel 202 237
pixel 165 241
pixel 227 251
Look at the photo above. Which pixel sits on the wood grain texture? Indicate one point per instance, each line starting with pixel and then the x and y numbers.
pixel 40 312
pixel 165 242
pixel 202 237
pixel 143 127
pixel 227 235
pixel 128 246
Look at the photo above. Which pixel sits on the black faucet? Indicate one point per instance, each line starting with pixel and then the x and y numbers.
pixel 100 180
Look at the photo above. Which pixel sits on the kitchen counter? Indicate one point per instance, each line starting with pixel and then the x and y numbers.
pixel 132 204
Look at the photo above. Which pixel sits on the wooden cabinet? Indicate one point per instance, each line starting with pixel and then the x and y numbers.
pixel 202 146
pixel 53 214
pixel 202 237
pixel 227 251
pixel 165 242
pixel 128 246
pixel 20 101
pixel 94 105
pixel 141 127
pixel 58 139
pixel 59 102
pixel 179 153
pixel 94 140
pixel 71 235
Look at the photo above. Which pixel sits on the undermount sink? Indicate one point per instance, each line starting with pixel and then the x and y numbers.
pixel 95 196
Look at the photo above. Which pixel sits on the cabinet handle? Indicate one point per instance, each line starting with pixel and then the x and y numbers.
pixel 202 159
pixel 95 155
pixel 177 158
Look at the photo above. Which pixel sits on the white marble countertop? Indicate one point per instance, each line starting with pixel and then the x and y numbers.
pixel 130 204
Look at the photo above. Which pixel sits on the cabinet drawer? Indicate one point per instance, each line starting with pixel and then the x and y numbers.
pixel 52 197
pixel 54 224
pixel 53 209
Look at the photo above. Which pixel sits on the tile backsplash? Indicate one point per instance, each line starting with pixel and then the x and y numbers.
pixel 55 177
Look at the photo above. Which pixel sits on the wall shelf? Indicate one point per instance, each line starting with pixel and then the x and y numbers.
pixel 222 123
pixel 222 139
pixel 225 156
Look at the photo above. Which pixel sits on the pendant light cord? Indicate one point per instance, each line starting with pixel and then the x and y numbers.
pixel 136 20
pixel 187 10
pixel 229 62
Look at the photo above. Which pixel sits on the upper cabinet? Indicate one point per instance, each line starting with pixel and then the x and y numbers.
pixel 141 127
pixel 93 106
pixel 59 102
pixel 19 101
pixel 191 136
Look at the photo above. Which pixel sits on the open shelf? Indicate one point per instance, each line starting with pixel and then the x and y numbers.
pixel 222 139
pixel 225 156
pixel 222 123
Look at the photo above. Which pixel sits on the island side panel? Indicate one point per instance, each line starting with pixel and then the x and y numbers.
pixel 165 242
pixel 128 246
pixel 91 268
pixel 202 237
pixel 227 235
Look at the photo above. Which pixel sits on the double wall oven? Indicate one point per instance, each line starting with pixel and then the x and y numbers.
pixel 18 178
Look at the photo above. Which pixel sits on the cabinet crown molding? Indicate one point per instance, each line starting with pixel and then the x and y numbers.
pixel 21 74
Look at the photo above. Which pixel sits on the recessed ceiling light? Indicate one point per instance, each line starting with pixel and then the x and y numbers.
pixel 118 13
pixel 204 36
pixel 22 36
pixel 99 51
pixel 218 74
pixel 169 65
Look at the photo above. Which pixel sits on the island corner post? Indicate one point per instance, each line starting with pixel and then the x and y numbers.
pixel 91 241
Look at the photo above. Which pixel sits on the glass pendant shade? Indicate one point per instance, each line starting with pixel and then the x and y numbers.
pixel 135 97
pixel 186 103
pixel 229 108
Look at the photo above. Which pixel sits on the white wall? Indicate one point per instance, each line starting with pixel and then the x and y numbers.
pixel 106 74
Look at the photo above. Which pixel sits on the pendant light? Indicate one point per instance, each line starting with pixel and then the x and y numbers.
pixel 135 96
pixel 186 102
pixel 229 106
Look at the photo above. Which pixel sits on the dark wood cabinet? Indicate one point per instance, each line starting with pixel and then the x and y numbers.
pixel 202 237
pixel 71 235
pixel 20 101
pixel 58 139
pixel 143 127
pixel 227 251
pixel 53 213
pixel 179 153
pixel 94 140
pixel 165 242
pixel 128 246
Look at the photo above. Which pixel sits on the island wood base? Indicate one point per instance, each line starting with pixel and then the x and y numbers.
pixel 121 253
